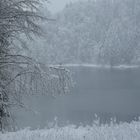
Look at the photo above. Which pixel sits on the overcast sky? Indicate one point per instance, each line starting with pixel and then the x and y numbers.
pixel 58 5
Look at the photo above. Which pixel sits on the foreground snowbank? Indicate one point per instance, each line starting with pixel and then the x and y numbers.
pixel 123 131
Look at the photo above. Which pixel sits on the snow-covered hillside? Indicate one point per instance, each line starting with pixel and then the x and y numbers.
pixel 122 131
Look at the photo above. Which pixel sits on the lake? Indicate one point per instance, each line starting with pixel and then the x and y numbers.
pixel 107 92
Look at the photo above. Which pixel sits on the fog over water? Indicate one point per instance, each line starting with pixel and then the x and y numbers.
pixel 69 69
pixel 102 34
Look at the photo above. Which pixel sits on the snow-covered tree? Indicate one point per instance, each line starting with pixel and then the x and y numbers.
pixel 20 75
pixel 102 31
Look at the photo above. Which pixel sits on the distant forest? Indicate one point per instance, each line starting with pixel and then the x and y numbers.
pixel 92 31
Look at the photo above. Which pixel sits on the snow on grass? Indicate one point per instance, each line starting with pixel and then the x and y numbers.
pixel 124 131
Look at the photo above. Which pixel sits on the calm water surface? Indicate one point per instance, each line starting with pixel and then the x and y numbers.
pixel 106 92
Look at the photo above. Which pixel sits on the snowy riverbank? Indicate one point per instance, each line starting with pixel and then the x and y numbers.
pixel 97 66
pixel 124 131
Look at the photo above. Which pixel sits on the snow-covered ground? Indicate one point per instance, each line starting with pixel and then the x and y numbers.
pixel 97 66
pixel 124 131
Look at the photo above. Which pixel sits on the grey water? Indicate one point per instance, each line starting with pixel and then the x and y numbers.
pixel 107 92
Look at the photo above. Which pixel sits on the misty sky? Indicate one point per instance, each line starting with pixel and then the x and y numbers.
pixel 58 5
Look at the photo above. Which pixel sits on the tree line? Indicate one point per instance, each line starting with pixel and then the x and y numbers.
pixel 97 32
